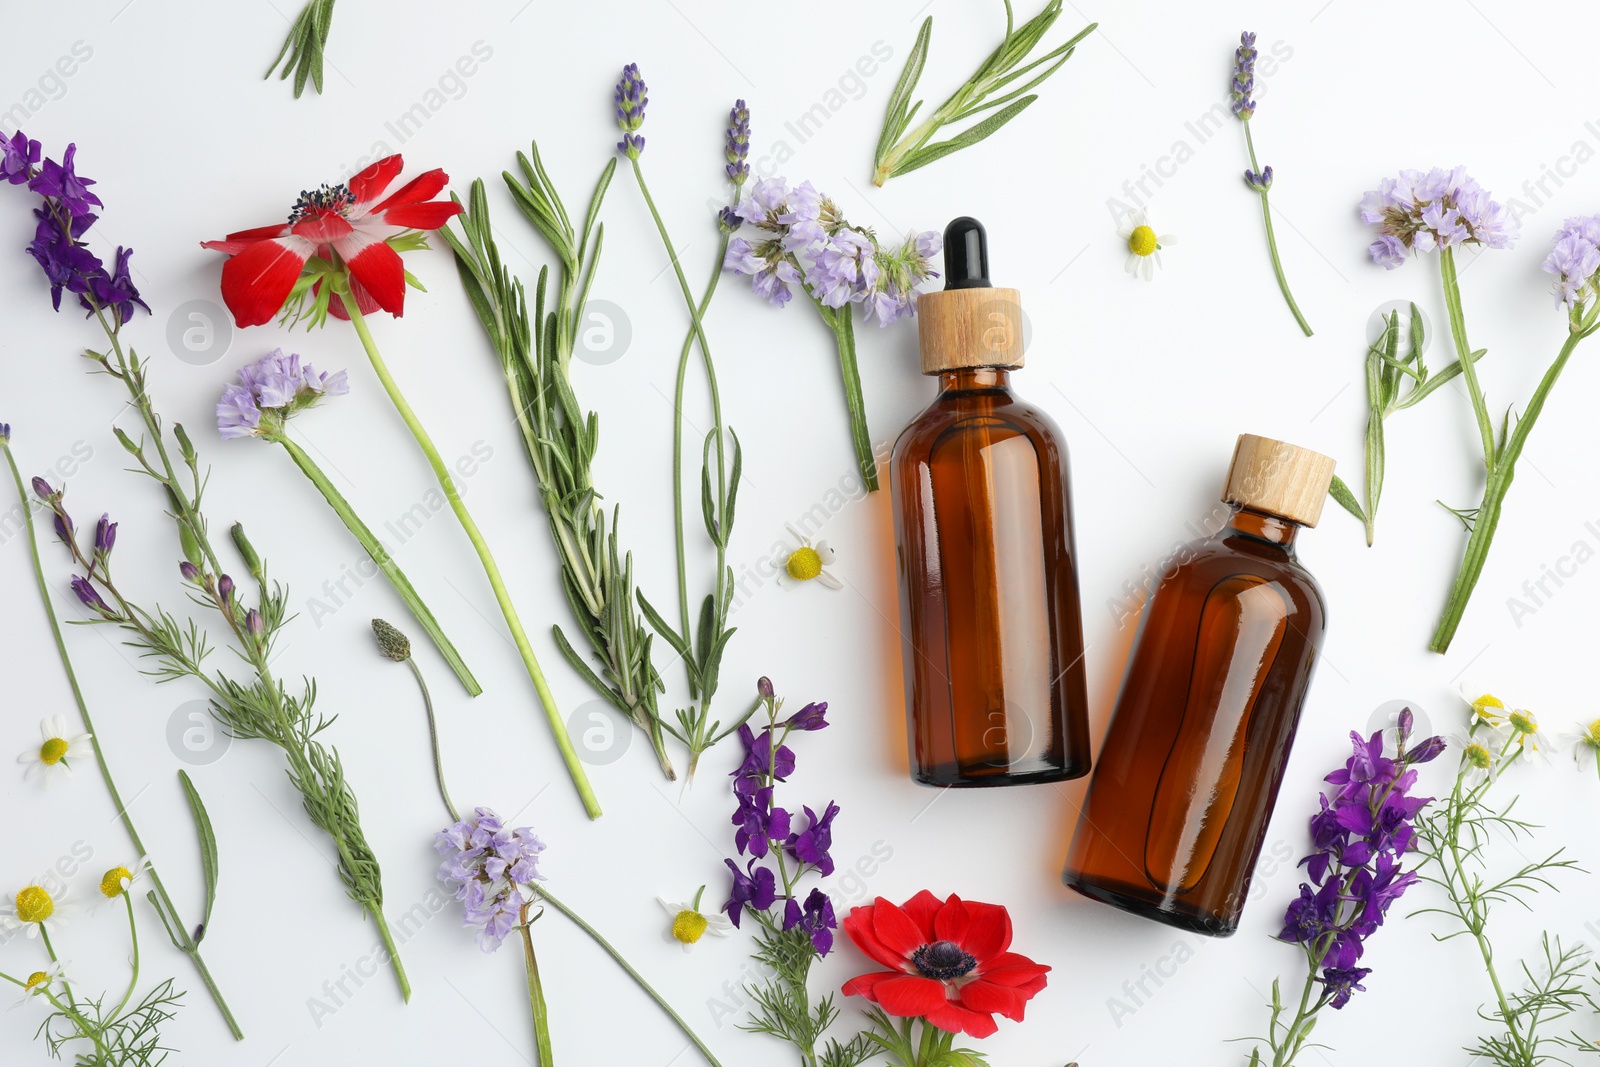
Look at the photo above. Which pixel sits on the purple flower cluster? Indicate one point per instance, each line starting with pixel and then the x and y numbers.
pixel 630 98
pixel 488 865
pixel 796 844
pixel 64 216
pixel 269 391
pixel 1575 259
pixel 1244 77
pixel 1361 834
pixel 810 241
pixel 1433 211
pixel 96 563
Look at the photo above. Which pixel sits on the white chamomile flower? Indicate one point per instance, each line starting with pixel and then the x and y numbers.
pixel 35 908
pixel 807 563
pixel 40 981
pixel 1585 744
pixel 53 757
pixel 689 924
pixel 1478 760
pixel 1487 710
pixel 119 880
pixel 1144 245
pixel 1530 741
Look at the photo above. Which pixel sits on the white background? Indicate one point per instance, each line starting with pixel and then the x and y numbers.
pixel 1150 384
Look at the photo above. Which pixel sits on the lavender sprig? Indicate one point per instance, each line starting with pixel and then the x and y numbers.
pixel 1362 834
pixel 1257 177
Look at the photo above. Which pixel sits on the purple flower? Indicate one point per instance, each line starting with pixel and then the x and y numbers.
pixel 738 143
pixel 631 98
pixel 754 887
pixel 268 392
pixel 225 590
pixel 91 597
pixel 811 845
pixel 764 688
pixel 59 181
pixel 1341 982
pixel 18 157
pixel 760 761
pixel 488 865
pixel 1433 211
pixel 105 537
pixel 811 717
pixel 1260 181
pixel 759 823
pixel 1574 260
pixel 116 290
pixel 815 917
pixel 1244 76
pixel 42 490
pixel 67 264
pixel 189 571
pixel 254 625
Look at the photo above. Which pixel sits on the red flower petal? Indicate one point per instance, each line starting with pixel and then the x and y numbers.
pixel 982 996
pixel 990 933
pixel 377 266
pixel 858 925
pixel 257 281
pixel 1011 969
pixel 428 216
pixel 922 908
pixel 910 995
pixel 235 243
pixel 955 1019
pixel 323 229
pixel 367 186
pixel 423 187
pixel 895 929
pixel 863 985
pixel 952 922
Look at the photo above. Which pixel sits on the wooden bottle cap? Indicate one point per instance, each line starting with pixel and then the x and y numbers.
pixel 1278 478
pixel 976 327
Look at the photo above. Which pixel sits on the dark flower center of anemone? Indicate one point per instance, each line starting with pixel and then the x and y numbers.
pixel 324 200
pixel 943 961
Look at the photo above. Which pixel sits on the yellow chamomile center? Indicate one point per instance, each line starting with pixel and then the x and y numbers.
pixel 1591 736
pixel 1487 709
pixel 688 926
pixel 111 884
pixel 1142 241
pixel 52 751
pixel 34 905
pixel 35 980
pixel 804 564
pixel 1478 756
pixel 1523 722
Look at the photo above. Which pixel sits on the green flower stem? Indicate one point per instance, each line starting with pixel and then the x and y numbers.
pixel 842 322
pixel 376 910
pixel 569 756
pixel 381 557
pixel 185 944
pixel 1501 468
pixel 433 741
pixel 541 1011
pixel 546 896
pixel 133 937
pixel 1272 241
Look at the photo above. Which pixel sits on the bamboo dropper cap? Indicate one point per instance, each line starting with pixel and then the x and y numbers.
pixel 1278 478
pixel 969 323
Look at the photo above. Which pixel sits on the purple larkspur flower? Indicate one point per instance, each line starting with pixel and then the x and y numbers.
pixel 760 761
pixel 1340 982
pixel 488 865
pixel 811 717
pixel 61 182
pixel 815 917
pixel 630 96
pixel 1574 260
pixel 116 290
pixel 68 265
pixel 105 537
pixel 267 393
pixel 754 887
pixel 811 845
pixel 1244 76
pixel 18 157
pixel 91 598
pixel 737 148
pixel 1432 211
pixel 759 823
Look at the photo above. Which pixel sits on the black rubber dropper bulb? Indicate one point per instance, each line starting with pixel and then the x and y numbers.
pixel 966 254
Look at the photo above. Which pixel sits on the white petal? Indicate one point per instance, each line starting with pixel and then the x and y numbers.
pixel 1132 265
pixel 671 908
pixel 824 578
pixel 826 554
pixel 1166 239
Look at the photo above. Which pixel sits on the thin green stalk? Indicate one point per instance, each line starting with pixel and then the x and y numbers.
pixel 182 940
pixel 842 322
pixel 544 894
pixel 1469 372
pixel 1272 241
pixel 541 1011
pixel 380 556
pixel 393 952
pixel 133 937
pixel 433 741
pixel 569 756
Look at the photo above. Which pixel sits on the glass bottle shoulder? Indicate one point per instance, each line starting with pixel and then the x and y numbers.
pixel 1199 565
pixel 994 412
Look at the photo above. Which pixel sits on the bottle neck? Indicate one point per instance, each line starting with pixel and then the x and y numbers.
pixel 1262 526
pixel 971 379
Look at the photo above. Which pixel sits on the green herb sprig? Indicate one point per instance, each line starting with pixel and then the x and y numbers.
pixel 902 148
pixel 303 48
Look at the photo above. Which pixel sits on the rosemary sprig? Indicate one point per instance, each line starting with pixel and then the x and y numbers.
pixel 307 39
pixel 901 148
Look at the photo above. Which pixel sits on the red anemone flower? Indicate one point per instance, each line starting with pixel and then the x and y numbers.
pixel 346 220
pixel 948 962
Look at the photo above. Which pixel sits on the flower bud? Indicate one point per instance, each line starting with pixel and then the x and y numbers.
pixel 91 597
pixel 42 490
pixel 764 687
pixel 246 550
pixel 254 624
pixel 1426 751
pixel 391 642
pixel 1407 720
pixel 225 590
pixel 190 572
pixel 190 545
pixel 105 536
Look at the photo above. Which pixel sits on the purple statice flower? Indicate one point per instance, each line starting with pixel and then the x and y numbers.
pixel 631 98
pixel 268 392
pixel 815 917
pixel 843 266
pixel 1433 211
pixel 1574 260
pixel 488 865
pixel 1244 77
pixel 738 143
pixel 1361 833
pixel 60 182
pixel 1261 180
pixel 810 846
pixel 18 157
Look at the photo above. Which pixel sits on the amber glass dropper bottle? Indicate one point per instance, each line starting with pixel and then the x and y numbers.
pixel 1173 821
pixel 992 637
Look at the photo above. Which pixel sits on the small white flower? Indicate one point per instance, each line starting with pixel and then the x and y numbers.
pixel 40 981
pixel 1486 709
pixel 119 880
pixel 1144 245
pixel 807 563
pixel 689 924
pixel 53 757
pixel 35 907
pixel 1526 735
pixel 1585 744
pixel 1478 760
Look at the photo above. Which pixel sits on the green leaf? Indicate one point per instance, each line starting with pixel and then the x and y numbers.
pixel 1346 499
pixel 965 139
pixel 208 850
pixel 896 115
pixel 733 484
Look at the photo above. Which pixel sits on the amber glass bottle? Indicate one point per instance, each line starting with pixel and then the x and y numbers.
pixel 992 637
pixel 1173 821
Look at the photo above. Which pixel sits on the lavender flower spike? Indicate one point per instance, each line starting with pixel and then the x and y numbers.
pixel 631 98
pixel 1244 76
pixel 738 149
